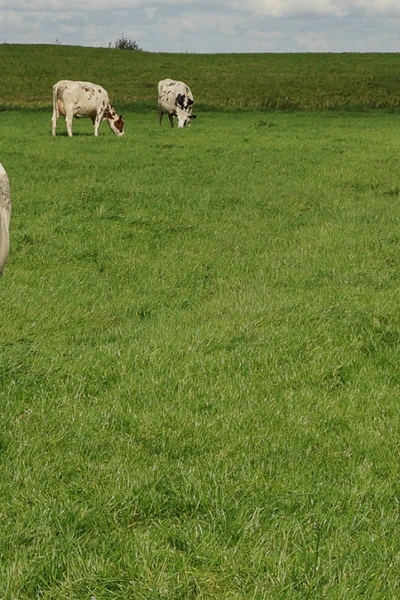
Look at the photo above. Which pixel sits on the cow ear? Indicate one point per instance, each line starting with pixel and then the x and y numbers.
pixel 193 117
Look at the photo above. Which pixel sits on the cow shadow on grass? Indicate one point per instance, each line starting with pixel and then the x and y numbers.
pixel 78 134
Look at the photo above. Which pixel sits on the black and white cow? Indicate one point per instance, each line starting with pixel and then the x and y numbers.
pixel 5 213
pixel 175 100
pixel 83 99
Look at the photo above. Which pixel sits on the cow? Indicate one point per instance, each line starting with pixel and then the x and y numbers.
pixel 83 99
pixel 175 100
pixel 5 213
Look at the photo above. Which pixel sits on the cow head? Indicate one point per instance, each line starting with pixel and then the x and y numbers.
pixel 115 121
pixel 183 106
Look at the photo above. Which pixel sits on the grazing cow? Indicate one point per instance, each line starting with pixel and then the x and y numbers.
pixel 175 100
pixel 5 212
pixel 83 99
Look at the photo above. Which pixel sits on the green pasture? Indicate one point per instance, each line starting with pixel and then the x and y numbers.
pixel 199 368
pixel 305 81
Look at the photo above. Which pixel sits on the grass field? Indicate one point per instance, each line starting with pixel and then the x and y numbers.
pixel 199 359
pixel 264 81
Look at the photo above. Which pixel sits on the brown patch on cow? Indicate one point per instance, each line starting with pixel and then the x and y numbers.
pixel 119 124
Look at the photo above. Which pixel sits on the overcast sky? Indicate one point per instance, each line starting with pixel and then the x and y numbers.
pixel 204 26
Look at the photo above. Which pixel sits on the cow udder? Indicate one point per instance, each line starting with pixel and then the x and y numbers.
pixel 60 106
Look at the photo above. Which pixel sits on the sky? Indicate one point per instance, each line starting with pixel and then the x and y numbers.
pixel 207 26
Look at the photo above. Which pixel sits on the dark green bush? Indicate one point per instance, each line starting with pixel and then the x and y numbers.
pixel 124 43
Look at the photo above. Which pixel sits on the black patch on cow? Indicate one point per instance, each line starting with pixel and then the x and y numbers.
pixel 180 99
pixel 190 102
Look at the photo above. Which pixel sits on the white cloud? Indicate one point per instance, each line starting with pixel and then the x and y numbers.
pixel 208 25
pixel 274 8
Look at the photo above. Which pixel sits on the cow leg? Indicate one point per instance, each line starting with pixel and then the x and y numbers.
pixel 68 122
pixel 171 120
pixel 93 119
pixel 96 123
pixel 160 116
pixel 54 123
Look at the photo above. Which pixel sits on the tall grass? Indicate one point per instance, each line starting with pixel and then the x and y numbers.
pixel 199 351
pixel 269 81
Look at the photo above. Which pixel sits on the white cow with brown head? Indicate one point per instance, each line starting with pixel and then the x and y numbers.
pixel 83 99
pixel 175 100
pixel 5 213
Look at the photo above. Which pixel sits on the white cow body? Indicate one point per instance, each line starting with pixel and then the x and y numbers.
pixel 5 213
pixel 175 100
pixel 83 99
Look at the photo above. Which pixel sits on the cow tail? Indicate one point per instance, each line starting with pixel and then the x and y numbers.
pixel 55 101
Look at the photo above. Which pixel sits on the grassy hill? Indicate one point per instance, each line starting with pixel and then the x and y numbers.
pixel 295 81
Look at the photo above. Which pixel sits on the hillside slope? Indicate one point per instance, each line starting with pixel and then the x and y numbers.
pixel 294 81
